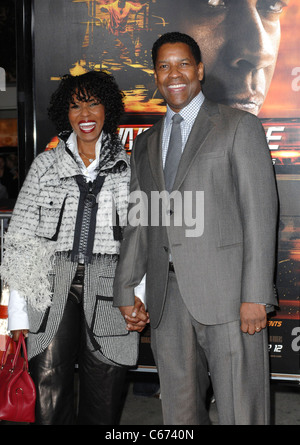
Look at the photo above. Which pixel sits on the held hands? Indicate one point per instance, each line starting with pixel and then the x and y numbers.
pixel 135 316
pixel 253 317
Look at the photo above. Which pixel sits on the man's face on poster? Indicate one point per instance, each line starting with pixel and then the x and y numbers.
pixel 239 41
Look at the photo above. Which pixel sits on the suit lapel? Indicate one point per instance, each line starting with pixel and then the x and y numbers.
pixel 155 155
pixel 201 128
pixel 204 123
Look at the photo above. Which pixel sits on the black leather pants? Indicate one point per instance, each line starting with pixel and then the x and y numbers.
pixel 53 371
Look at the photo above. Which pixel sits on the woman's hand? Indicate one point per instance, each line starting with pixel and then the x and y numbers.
pixel 16 333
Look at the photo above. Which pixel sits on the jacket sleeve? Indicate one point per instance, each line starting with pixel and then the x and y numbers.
pixel 27 258
pixel 133 254
pixel 257 197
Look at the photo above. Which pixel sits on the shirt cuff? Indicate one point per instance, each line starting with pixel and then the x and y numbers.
pixel 140 290
pixel 17 312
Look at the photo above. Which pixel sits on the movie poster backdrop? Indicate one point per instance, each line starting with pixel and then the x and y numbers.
pixel 250 50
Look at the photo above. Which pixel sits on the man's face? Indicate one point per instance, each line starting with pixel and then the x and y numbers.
pixel 177 75
pixel 239 42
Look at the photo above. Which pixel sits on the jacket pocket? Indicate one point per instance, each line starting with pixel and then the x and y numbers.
pixel 230 233
pixel 104 285
pixel 51 210
pixel 212 154
pixel 107 320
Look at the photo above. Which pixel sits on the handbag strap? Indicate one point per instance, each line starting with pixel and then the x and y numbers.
pixel 21 342
pixel 17 350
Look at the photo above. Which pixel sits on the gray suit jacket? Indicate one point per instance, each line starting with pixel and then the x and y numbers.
pixel 227 159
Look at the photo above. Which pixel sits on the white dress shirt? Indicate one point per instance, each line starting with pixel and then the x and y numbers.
pixel 189 114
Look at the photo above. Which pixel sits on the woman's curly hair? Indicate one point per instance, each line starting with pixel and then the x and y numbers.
pixel 93 84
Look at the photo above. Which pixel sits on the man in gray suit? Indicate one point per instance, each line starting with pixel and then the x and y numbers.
pixel 207 249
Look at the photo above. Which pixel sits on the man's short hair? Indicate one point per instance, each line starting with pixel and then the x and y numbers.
pixel 175 37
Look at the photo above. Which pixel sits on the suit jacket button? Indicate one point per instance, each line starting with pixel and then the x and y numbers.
pixel 166 249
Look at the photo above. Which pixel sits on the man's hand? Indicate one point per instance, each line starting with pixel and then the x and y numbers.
pixel 135 316
pixel 253 317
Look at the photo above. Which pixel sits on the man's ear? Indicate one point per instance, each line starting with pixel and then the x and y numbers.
pixel 200 71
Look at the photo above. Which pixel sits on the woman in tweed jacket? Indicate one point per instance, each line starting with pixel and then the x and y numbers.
pixel 61 251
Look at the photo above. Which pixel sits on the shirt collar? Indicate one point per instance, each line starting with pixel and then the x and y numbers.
pixel 189 113
pixel 89 171
pixel 73 147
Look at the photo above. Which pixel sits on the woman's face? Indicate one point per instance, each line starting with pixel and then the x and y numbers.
pixel 87 120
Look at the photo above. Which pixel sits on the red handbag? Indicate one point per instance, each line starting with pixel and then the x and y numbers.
pixel 17 390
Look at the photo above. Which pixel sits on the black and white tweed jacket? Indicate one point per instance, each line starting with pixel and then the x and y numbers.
pixel 39 242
